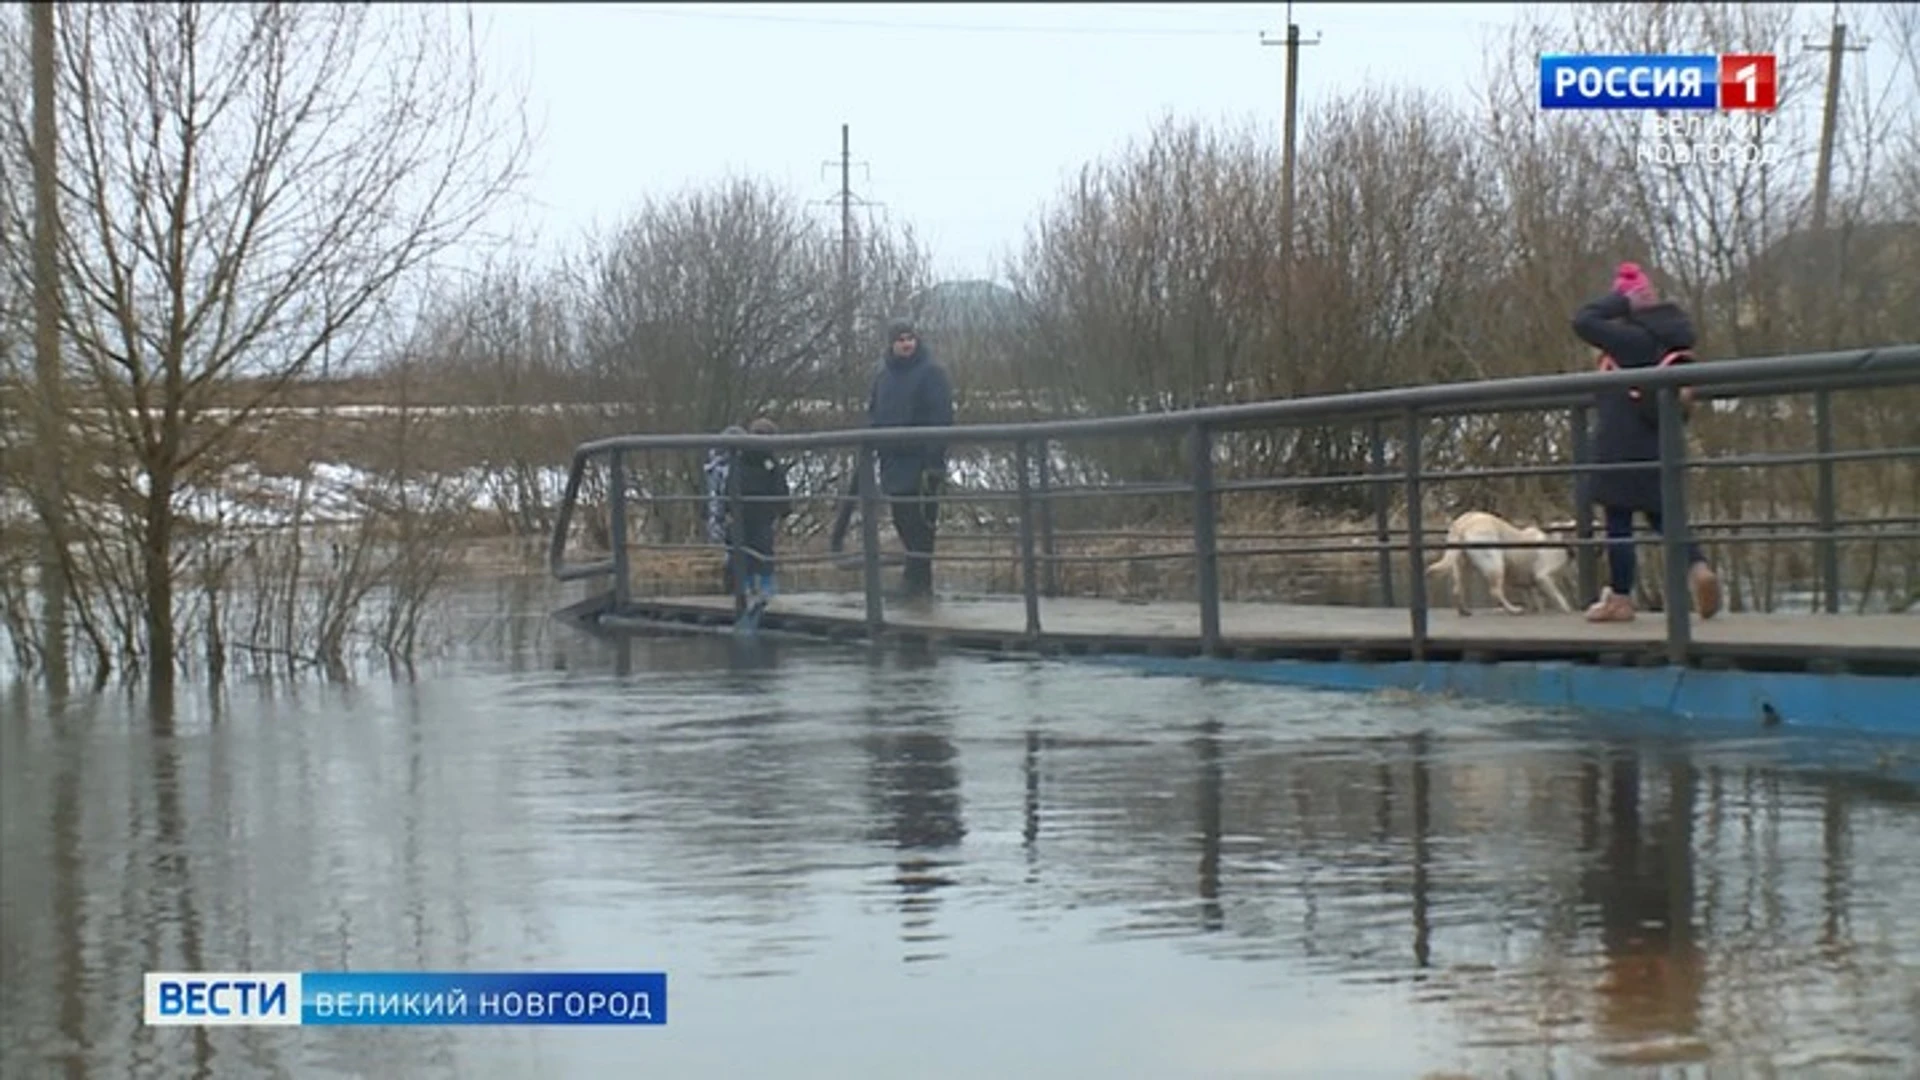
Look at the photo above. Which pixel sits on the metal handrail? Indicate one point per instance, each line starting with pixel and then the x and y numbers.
pixel 1769 376
pixel 1821 374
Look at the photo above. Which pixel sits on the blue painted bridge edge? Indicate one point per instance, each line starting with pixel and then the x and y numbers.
pixel 1860 704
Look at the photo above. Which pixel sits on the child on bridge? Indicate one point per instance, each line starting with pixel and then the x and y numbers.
pixel 766 498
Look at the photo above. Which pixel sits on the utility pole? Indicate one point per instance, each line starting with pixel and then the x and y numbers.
pixel 1822 181
pixel 1293 43
pixel 1824 248
pixel 847 380
pixel 52 412
pixel 849 291
pixel 846 246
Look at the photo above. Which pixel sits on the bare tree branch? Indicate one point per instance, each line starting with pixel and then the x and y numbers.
pixel 250 182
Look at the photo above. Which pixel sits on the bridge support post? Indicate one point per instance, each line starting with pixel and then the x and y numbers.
pixel 1206 541
pixel 736 533
pixel 1416 548
pixel 1049 580
pixel 1829 547
pixel 617 527
pixel 1674 529
pixel 1586 557
pixel 870 537
pixel 1382 497
pixel 1029 578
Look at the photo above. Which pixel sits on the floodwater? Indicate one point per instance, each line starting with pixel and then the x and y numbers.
pixel 899 863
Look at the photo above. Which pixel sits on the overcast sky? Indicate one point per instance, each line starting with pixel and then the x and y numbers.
pixel 965 118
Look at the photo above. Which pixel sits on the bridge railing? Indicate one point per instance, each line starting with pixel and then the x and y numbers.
pixel 1397 416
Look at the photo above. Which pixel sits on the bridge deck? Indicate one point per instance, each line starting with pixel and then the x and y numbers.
pixel 1885 644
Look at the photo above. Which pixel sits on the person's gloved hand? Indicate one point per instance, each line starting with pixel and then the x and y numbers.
pixel 931 479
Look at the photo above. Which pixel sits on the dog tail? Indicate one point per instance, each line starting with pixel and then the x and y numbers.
pixel 1444 562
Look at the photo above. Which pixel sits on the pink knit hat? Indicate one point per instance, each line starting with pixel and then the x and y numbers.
pixel 1631 282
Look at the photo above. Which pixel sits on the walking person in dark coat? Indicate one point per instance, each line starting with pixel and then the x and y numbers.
pixel 912 390
pixel 1634 328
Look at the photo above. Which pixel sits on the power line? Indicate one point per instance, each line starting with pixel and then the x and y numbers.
pixel 956 28
pixel 1353 21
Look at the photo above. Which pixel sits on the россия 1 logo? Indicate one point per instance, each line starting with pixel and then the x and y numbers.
pixel 1728 82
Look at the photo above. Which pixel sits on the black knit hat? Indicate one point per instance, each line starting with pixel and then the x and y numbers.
pixel 899 326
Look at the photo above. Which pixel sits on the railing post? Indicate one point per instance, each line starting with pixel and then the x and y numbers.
pixel 1416 548
pixel 1048 574
pixel 870 537
pixel 736 532
pixel 1029 579
pixel 1206 541
pixel 1382 498
pixel 1586 557
pixel 1829 548
pixel 617 526
pixel 1673 524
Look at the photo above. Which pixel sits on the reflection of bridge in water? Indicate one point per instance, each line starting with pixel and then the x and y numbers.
pixel 1558 886
pixel 1640 896
pixel 1829 667
pixel 1621 923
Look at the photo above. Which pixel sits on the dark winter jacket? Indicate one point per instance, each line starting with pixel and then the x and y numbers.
pixel 762 477
pixel 911 392
pixel 1628 426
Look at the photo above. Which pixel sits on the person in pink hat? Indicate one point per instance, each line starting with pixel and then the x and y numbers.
pixel 1633 327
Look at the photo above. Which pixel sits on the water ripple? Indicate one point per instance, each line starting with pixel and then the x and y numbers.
pixel 944 844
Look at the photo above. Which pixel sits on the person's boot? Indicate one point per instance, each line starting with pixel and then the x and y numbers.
pixel 912 589
pixel 1705 586
pixel 1611 607
pixel 757 597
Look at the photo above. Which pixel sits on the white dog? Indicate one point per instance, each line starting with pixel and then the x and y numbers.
pixel 1520 567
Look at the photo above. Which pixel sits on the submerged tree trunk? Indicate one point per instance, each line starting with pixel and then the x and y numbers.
pixel 52 411
pixel 157 570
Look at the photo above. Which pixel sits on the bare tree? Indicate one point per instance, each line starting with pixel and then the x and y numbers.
pixel 1154 283
pixel 507 345
pixel 1398 239
pixel 710 306
pixel 724 303
pixel 17 534
pixel 244 185
pixel 1900 25
pixel 1149 285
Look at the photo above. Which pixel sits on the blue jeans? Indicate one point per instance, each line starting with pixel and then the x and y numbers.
pixel 1621 562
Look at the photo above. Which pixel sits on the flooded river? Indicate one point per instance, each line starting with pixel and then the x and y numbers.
pixel 900 863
